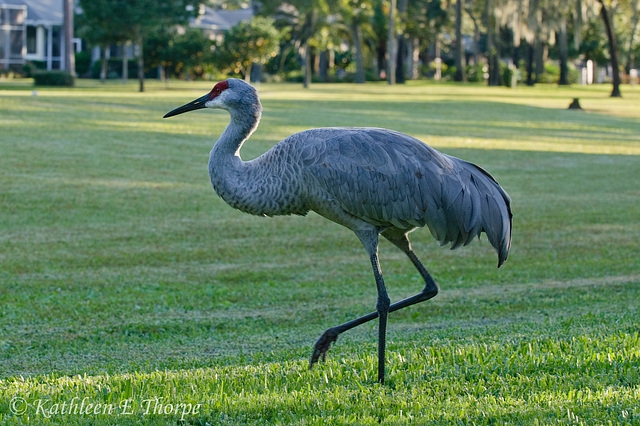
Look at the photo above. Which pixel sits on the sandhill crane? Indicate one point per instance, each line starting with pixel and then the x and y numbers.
pixel 372 181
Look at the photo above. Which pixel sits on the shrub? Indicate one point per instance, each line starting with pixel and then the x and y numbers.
pixel 476 73
pixel 32 67
pixel 53 78
pixel 507 76
pixel 551 74
pixel 114 69
pixel 83 63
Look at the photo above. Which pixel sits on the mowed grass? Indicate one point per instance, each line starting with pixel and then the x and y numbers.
pixel 125 283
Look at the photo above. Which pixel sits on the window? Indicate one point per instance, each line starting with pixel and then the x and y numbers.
pixel 16 44
pixel 12 34
pixel 57 40
pixel 16 16
pixel 32 40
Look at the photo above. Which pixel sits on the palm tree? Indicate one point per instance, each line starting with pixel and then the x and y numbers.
pixel 356 16
pixel 303 19
pixel 460 75
pixel 392 48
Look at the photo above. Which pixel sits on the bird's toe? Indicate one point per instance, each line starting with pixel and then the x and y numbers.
pixel 322 346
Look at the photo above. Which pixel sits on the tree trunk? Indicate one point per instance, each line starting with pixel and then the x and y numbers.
pixel 315 63
pixel 400 68
pixel 402 45
pixel 541 55
pixel 247 73
pixel 476 37
pixel 613 50
pixel 530 64
pixel 69 52
pixel 392 50
pixel 634 26
pixel 140 42
pixel 563 49
pixel 357 41
pixel 125 63
pixel 494 70
pixel 323 66
pixel 307 66
pixel 381 50
pixel 492 55
pixel 438 59
pixel 105 63
pixel 414 57
pixel 283 57
pixel 460 74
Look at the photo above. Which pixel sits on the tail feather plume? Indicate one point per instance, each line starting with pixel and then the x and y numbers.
pixel 473 202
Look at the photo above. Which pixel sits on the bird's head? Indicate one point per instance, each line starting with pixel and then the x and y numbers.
pixel 233 95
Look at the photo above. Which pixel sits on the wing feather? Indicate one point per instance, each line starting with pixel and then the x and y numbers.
pixel 390 179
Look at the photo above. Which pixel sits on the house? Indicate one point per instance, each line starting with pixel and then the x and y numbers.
pixel 215 22
pixel 12 34
pixel 31 30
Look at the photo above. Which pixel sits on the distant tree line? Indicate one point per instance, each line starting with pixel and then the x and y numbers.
pixel 363 40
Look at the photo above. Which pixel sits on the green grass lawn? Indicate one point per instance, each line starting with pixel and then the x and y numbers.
pixel 125 283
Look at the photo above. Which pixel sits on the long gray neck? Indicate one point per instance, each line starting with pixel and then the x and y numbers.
pixel 228 173
pixel 240 128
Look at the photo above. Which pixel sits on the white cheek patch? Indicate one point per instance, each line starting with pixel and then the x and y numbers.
pixel 213 102
pixel 218 101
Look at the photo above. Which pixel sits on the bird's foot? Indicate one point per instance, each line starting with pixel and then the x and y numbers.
pixel 323 344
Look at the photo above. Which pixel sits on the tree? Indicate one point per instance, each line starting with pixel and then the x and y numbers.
pixel 424 20
pixel 493 46
pixel 69 53
pixel 563 50
pixel 135 19
pixel 357 14
pixel 248 43
pixel 380 32
pixel 460 74
pixel 401 46
pixel 437 17
pixel 302 20
pixel 593 46
pixel 534 24
pixel 392 44
pixel 178 54
pixel 613 50
pixel 145 16
pixel 554 17
pixel 96 25
pixel 635 15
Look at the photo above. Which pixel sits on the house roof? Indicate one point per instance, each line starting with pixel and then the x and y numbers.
pixel 220 20
pixel 48 12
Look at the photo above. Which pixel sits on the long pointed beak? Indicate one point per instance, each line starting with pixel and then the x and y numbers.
pixel 191 106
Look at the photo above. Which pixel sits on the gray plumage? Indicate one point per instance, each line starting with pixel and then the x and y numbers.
pixel 373 181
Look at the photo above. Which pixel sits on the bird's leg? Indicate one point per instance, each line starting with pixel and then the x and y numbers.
pixel 369 240
pixel 401 240
pixel 382 307
pixel 430 290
